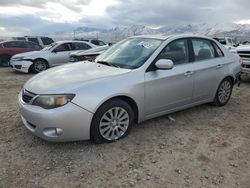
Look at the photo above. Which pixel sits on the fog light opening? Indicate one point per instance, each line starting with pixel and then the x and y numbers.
pixel 52 132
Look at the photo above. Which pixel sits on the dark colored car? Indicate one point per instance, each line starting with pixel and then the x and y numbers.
pixel 88 55
pixel 10 48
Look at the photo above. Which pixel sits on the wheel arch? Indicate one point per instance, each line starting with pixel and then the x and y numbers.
pixel 43 59
pixel 127 99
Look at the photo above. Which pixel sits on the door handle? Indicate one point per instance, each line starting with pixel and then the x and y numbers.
pixel 219 66
pixel 188 73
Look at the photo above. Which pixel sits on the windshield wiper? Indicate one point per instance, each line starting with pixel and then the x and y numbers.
pixel 107 63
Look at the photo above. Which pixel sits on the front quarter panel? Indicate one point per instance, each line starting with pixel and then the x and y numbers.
pixel 94 94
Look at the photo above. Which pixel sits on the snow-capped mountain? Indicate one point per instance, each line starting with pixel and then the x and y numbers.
pixel 121 32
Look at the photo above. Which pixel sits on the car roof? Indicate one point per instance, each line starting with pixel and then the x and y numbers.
pixel 72 41
pixel 165 37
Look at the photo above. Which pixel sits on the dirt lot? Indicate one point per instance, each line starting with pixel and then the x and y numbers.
pixel 206 147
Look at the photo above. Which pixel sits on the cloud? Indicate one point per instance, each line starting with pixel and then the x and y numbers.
pixel 164 12
pixel 56 15
pixel 72 4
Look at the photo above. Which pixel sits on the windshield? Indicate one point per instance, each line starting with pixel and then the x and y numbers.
pixel 49 47
pixel 130 53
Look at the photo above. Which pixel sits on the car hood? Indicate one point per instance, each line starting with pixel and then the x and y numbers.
pixel 243 47
pixel 29 54
pixel 69 78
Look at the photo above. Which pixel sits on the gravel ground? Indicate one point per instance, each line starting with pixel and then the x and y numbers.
pixel 206 147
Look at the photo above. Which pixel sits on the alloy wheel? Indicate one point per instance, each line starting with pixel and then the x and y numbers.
pixel 224 91
pixel 40 66
pixel 114 123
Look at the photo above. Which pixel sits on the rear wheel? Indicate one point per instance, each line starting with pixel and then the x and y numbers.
pixel 112 121
pixel 224 92
pixel 4 60
pixel 39 65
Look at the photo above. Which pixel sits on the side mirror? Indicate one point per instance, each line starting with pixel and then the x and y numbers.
pixel 164 64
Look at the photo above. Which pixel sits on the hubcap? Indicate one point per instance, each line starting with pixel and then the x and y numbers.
pixel 114 123
pixel 224 91
pixel 40 66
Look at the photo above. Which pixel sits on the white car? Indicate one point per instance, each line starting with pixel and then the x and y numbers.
pixel 244 52
pixel 55 54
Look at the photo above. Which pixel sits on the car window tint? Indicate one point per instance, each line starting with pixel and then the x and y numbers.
pixel 203 49
pixel 32 45
pixel 177 51
pixel 47 41
pixel 35 40
pixel 81 46
pixel 218 50
pixel 98 42
pixel 14 44
pixel 64 47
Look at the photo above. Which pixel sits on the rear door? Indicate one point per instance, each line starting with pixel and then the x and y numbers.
pixel 60 55
pixel 208 68
pixel 170 89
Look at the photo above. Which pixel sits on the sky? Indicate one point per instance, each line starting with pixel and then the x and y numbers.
pixel 25 17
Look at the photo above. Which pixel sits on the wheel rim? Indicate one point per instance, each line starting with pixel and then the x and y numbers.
pixel 224 91
pixel 114 123
pixel 40 66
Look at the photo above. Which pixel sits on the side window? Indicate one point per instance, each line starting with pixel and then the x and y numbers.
pixel 64 47
pixel 98 42
pixel 47 41
pixel 14 44
pixel 35 40
pixel 177 51
pixel 81 46
pixel 203 49
pixel 218 50
pixel 32 45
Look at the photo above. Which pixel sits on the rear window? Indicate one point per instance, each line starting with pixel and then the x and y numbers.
pixel 47 41
pixel 98 42
pixel 35 40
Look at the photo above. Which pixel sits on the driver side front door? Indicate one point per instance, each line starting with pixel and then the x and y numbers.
pixel 166 90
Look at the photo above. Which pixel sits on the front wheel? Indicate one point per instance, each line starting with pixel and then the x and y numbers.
pixel 224 92
pixel 112 121
pixel 39 65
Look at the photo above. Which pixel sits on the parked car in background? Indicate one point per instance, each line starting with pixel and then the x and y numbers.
pixel 10 48
pixel 88 55
pixel 227 42
pixel 57 53
pixel 137 79
pixel 42 41
pixel 244 52
pixel 93 41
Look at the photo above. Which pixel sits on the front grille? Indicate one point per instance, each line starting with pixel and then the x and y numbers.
pixel 27 96
pixel 244 52
pixel 246 66
pixel 18 66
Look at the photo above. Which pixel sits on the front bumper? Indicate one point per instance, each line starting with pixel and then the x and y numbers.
pixel 66 123
pixel 21 66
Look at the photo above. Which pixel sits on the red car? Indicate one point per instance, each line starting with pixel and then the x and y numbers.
pixel 10 48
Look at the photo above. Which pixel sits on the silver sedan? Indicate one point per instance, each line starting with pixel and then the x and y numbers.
pixel 137 79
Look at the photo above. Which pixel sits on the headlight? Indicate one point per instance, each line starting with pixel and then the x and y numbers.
pixel 52 101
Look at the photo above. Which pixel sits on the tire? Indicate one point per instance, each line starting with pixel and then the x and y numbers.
pixel 105 129
pixel 39 65
pixel 224 92
pixel 4 60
